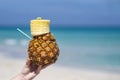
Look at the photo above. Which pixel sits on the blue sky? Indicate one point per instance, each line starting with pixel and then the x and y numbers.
pixel 62 12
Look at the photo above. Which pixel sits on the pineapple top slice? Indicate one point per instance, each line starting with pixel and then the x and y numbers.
pixel 39 26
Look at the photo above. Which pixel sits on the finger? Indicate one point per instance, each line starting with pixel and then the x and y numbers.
pixel 26 68
pixel 27 63
pixel 38 69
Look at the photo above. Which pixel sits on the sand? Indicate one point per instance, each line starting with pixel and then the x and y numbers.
pixel 11 67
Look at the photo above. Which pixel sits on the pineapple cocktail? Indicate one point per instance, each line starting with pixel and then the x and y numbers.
pixel 42 49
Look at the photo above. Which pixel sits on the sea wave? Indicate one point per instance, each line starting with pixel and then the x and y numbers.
pixel 10 42
pixel 15 42
pixel 24 42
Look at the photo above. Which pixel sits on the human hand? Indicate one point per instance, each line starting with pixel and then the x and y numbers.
pixel 29 71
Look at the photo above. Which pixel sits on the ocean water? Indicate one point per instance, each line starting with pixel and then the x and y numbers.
pixel 80 47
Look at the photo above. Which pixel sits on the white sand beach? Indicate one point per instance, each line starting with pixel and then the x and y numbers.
pixel 11 67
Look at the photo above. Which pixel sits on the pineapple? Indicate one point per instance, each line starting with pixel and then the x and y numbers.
pixel 42 49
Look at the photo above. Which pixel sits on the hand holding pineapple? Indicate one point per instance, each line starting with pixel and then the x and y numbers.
pixel 42 50
pixel 29 71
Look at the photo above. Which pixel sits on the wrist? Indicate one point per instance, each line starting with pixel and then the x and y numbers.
pixel 23 76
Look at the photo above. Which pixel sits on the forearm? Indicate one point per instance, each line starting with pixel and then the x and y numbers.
pixel 19 77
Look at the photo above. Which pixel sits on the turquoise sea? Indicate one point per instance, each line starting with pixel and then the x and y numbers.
pixel 80 47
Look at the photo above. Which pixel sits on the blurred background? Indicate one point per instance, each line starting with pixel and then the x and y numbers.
pixel 87 31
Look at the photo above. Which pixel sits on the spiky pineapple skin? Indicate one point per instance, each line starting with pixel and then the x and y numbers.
pixel 43 49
